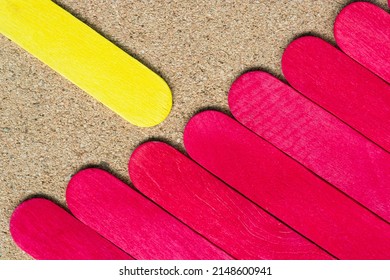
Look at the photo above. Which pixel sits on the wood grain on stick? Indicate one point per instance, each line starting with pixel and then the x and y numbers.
pixel 213 209
pixel 285 188
pixel 362 30
pixel 342 86
pixel 314 137
pixel 131 221
pixel 47 232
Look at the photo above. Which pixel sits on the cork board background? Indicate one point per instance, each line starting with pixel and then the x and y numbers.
pixel 50 129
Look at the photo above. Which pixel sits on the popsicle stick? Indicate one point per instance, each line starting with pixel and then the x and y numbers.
pixel 87 59
pixel 213 209
pixel 132 222
pixel 286 189
pixel 47 232
pixel 362 30
pixel 340 85
pixel 315 138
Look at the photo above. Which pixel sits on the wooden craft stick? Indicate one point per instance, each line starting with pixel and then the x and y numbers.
pixel 315 138
pixel 213 209
pixel 45 231
pixel 340 85
pixel 132 222
pixel 285 188
pixel 87 59
pixel 362 30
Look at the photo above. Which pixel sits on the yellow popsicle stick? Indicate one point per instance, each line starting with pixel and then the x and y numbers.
pixel 87 59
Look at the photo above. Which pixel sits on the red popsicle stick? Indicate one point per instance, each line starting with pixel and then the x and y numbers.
pixel 362 30
pixel 132 222
pixel 340 85
pixel 315 138
pixel 213 209
pixel 46 231
pixel 286 189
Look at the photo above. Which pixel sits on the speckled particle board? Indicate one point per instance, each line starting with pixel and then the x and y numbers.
pixel 49 128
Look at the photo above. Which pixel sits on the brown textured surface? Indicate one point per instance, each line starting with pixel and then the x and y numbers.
pixel 49 128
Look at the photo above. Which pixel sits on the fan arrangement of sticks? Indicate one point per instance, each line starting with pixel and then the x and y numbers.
pixel 302 172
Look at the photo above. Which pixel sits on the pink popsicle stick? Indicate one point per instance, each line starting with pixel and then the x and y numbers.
pixel 315 138
pixel 340 85
pixel 132 222
pixel 213 209
pixel 362 30
pixel 47 232
pixel 286 189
